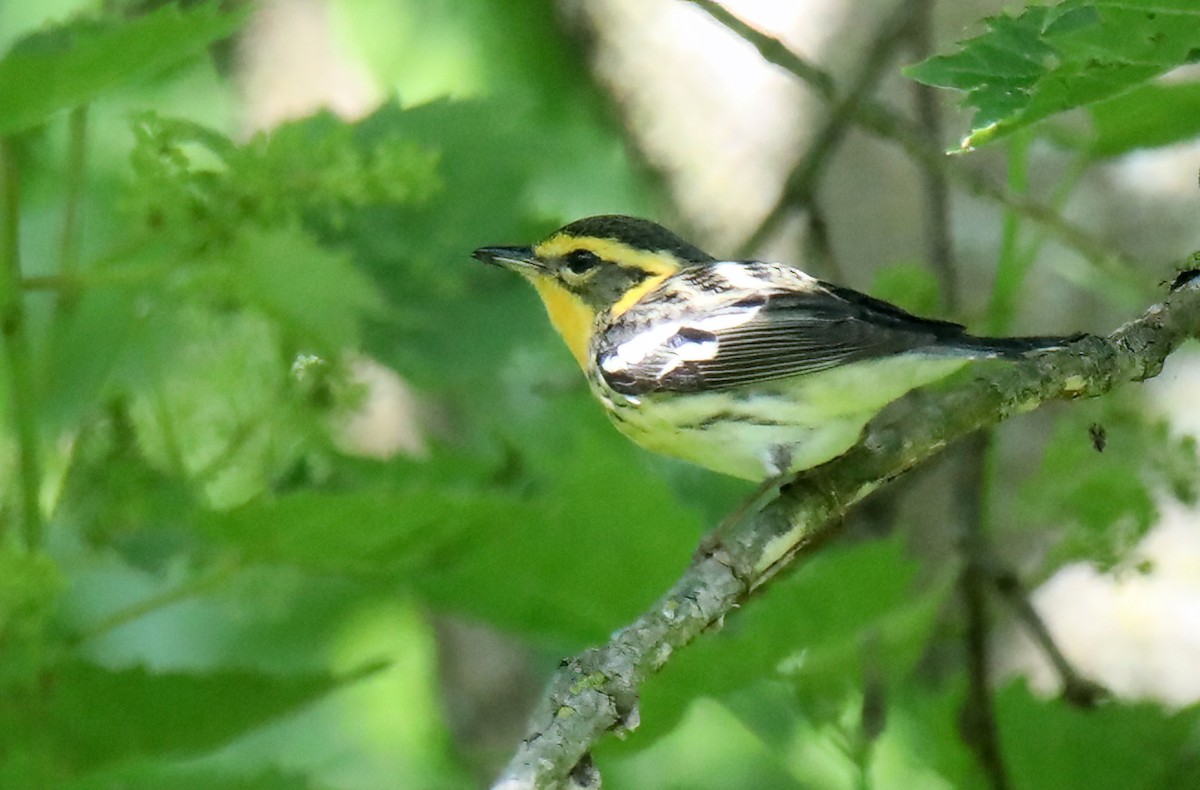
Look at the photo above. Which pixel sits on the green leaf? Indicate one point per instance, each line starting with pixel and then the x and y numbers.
pixel 606 535
pixel 316 293
pixel 88 716
pixel 922 739
pixel 371 534
pixel 1049 744
pixel 465 321
pixel 72 65
pixel 223 413
pixel 198 189
pixel 710 750
pixel 467 543
pixel 157 774
pixel 31 587
pixel 121 500
pixel 1053 58
pixel 1147 117
pixel 1102 499
pixel 113 340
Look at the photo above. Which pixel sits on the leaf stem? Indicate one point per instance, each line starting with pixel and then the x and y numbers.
pixel 16 350
pixel 188 589
pixel 68 263
pixel 118 268
pixel 1011 265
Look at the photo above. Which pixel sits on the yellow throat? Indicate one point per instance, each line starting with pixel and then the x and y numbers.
pixel 570 316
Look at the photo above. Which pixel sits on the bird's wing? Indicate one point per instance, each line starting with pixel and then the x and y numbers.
pixel 738 323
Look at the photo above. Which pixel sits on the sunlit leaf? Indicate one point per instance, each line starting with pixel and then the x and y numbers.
pixel 486 549
pixel 911 285
pixel 1151 116
pixel 1049 59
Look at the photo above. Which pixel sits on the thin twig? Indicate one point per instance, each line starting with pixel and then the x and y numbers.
pixel 1076 688
pixel 1011 266
pixel 1100 254
pixel 110 270
pixel 194 586
pixel 818 245
pixel 934 186
pixel 978 714
pixel 980 729
pixel 16 349
pixel 772 49
pixel 800 188
pixel 597 691
pixel 883 122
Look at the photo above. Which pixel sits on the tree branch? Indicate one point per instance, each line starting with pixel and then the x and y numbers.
pixel 597 691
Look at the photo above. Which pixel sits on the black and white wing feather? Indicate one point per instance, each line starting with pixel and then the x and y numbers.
pixel 739 323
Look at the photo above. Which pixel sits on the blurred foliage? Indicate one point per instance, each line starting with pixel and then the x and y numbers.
pixel 910 285
pixel 226 597
pixel 1149 116
pixel 1057 746
pixel 1105 489
pixel 66 65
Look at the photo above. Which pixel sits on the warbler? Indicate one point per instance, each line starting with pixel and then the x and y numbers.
pixel 748 368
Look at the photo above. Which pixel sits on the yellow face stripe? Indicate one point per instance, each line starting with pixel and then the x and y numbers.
pixel 658 265
pixel 634 294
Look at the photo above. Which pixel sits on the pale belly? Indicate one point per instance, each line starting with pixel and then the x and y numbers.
pixel 774 428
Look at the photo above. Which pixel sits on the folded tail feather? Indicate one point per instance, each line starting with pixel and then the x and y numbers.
pixel 1016 347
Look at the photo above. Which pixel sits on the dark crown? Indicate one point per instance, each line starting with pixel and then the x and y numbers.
pixel 640 234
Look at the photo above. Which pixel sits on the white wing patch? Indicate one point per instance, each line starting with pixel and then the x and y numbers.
pixel 635 350
pixel 695 351
pixel 671 343
pixel 728 320
pixel 757 276
pixel 738 276
pixel 653 343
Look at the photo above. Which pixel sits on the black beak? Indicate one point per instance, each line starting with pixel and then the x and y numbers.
pixel 516 258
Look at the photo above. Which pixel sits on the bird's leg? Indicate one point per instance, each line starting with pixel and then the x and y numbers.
pixel 778 473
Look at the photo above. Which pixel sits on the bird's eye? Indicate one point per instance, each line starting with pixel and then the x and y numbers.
pixel 581 261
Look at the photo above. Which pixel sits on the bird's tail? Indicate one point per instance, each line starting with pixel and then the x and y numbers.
pixel 1015 347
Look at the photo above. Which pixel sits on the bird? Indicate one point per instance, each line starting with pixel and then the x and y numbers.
pixel 748 368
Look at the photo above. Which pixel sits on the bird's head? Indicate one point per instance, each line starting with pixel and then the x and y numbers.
pixel 595 266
